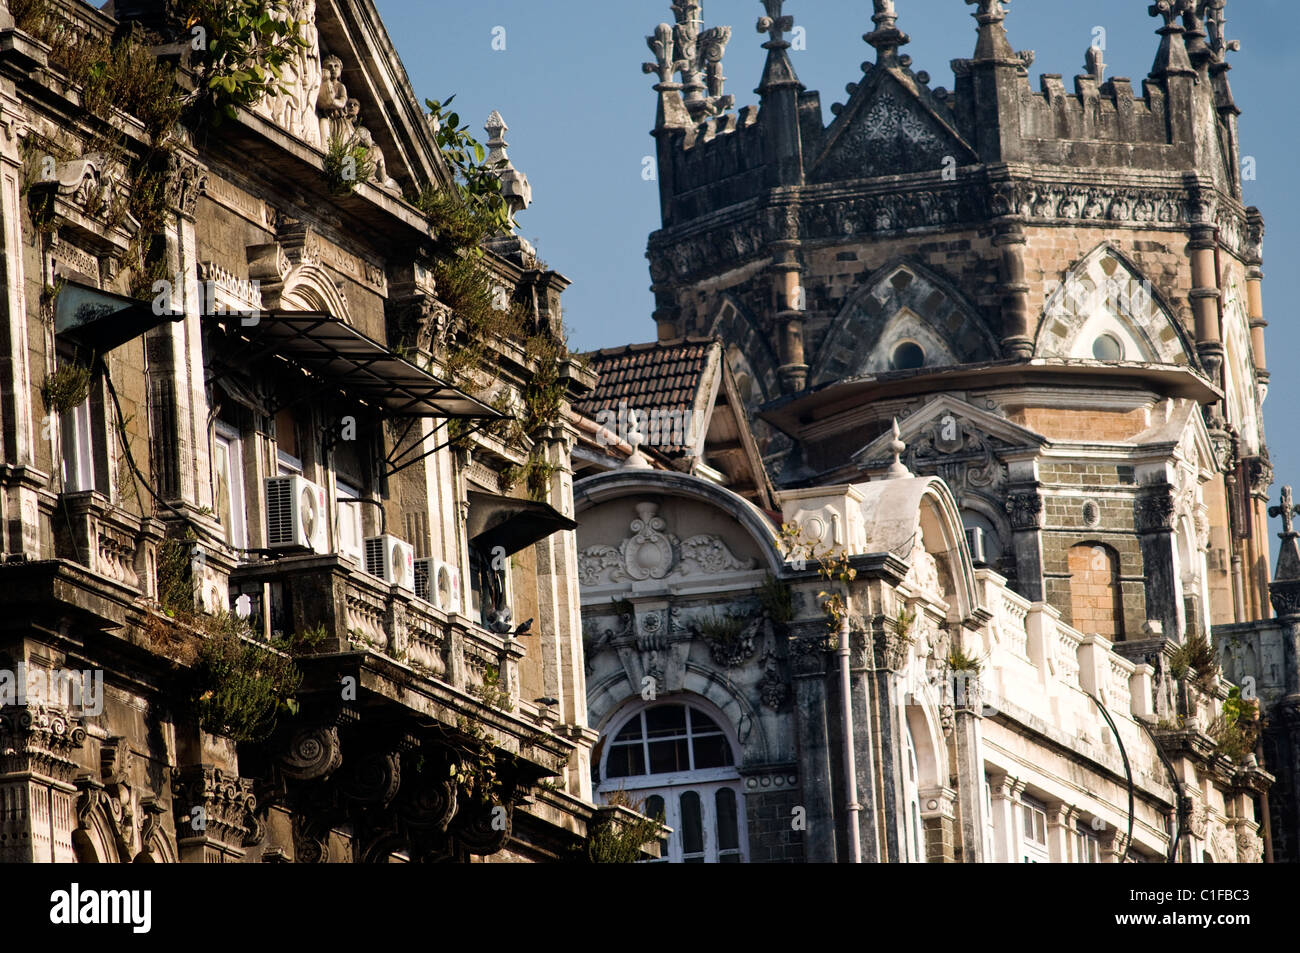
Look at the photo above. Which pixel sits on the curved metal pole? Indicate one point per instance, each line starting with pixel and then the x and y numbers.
pixel 1128 771
pixel 1172 858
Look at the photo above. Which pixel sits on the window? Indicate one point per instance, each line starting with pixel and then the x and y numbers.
pixel 908 356
pixel 911 799
pixel 348 522
pixel 680 761
pixel 1107 347
pixel 228 485
pixel 1087 845
pixel 78 449
pixel 1034 836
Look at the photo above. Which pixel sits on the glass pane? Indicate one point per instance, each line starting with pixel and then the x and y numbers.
pixel 692 824
pixel 1040 827
pixel 630 731
pixel 729 859
pixel 666 721
pixel 625 761
pixel 654 807
pixel 728 831
pixel 1029 822
pixel 712 751
pixel 702 723
pixel 668 757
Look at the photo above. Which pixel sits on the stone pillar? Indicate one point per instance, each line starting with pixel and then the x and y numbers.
pixel 1025 509
pixel 1155 526
pixel 21 485
pixel 1061 818
pixel 968 741
pixel 1006 792
pixel 939 823
pixel 1017 335
pixel 1205 296
pixel 37 796
pixel 1255 297
pixel 808 669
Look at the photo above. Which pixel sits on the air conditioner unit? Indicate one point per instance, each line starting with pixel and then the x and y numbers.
pixel 975 543
pixel 392 560
pixel 439 583
pixel 295 514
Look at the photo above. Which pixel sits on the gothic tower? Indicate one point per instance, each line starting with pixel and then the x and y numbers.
pixel 1057 293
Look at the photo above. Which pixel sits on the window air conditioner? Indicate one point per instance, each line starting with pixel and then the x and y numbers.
pixel 392 560
pixel 975 543
pixel 439 583
pixel 295 514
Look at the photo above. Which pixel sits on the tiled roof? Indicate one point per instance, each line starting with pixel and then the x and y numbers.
pixel 658 376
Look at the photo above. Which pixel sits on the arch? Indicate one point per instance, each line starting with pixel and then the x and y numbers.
pixel 1096 599
pixel 903 301
pixel 616 484
pixel 1105 296
pixel 309 287
pixel 748 351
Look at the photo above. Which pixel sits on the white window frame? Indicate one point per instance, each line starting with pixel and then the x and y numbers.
pixel 1087 845
pixel 671 786
pixel 1033 815
pixel 232 442
pixel 913 828
pixel 287 465
pixel 348 515
pixel 78 439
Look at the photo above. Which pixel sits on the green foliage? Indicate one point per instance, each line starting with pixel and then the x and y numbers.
pixel 347 162
pixel 834 568
pixel 176 575
pixel 618 841
pixel 491 692
pixel 307 640
pixel 248 42
pixel 1196 654
pixel 476 768
pixel 243 687
pixel 478 185
pixel 959 661
pixel 66 387
pixel 721 629
pixel 1237 730
pixel 776 599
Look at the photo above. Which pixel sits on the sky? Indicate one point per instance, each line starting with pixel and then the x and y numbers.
pixel 566 76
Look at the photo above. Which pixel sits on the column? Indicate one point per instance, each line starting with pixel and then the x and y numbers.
pixel 1007 821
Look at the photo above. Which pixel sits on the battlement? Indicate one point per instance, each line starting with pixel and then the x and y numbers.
pixel 893 123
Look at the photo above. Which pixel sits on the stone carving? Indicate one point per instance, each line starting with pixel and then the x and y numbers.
pixel 332 102
pixel 40 739
pixel 314 753
pixel 1250 847
pixel 1155 512
pixel 293 108
pixel 1025 510
pixel 225 803
pixel 652 553
pixel 374 779
pixel 924 573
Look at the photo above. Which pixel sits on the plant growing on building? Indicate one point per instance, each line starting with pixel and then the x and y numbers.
pixel 491 692
pixel 1236 731
pixel 616 840
pixel 66 387
pixel 243 687
pixel 834 568
pixel 1195 655
pixel 347 162
pixel 776 599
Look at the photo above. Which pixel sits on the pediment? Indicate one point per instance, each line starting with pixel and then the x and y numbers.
pixel 349 82
pixel 949 426
pixel 887 128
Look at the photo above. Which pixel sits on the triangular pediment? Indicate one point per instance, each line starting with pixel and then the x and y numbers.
pixel 949 425
pixel 887 128
pixel 349 81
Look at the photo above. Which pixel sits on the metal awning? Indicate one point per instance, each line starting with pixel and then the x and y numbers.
pixel 364 368
pixel 511 524
pixel 100 320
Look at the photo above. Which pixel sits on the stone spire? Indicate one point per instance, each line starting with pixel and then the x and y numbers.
pixel 1285 588
pixel 699 60
pixel 1171 58
pixel 778 72
pixel 886 37
pixel 672 111
pixel 514 184
pixel 992 44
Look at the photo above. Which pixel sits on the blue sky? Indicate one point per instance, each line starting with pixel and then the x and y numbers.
pixel 570 86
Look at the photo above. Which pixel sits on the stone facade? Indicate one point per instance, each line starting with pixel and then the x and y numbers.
pixel 445 726
pixel 1049 304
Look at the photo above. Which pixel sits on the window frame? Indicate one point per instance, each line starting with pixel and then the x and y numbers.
pixel 233 440
pixel 77 447
pixel 1033 850
pixel 353 513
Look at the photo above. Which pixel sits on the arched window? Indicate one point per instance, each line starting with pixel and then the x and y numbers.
pixel 1096 601
pixel 680 762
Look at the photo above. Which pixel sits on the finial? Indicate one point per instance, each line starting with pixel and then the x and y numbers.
pixel 897 470
pixel 1094 64
pixel 1171 58
pixel 514 184
pixel 699 60
pixel 775 24
pixel 1195 34
pixel 661 45
pixel 1287 510
pixel 992 43
pixel 886 37
pixel 1216 17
